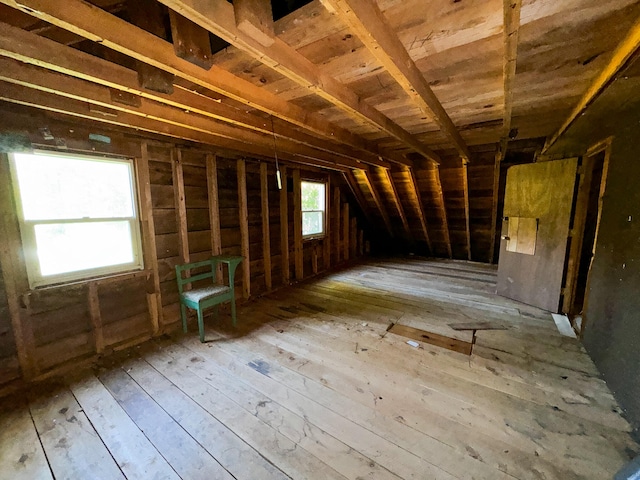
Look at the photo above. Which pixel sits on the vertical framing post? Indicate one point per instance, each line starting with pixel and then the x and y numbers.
pixel 465 187
pixel 14 274
pixel 326 242
pixel 345 232
pixel 181 205
pixel 214 209
pixel 336 223
pixel 297 224
pixel 266 233
pixel 149 245
pixel 284 228
pixel 244 227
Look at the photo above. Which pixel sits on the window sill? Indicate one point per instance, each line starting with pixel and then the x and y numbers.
pixel 313 238
pixel 99 279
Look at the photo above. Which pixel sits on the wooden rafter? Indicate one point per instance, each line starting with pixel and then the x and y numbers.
pixel 36 98
pixel 443 212
pixel 47 81
pixel 376 198
pixel 218 17
pixel 623 52
pixel 33 50
pixel 511 13
pixel 357 193
pixel 99 26
pixel 465 188
pixel 372 28
pixel 415 191
pixel 396 200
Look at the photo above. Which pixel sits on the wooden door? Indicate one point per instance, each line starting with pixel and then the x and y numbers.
pixel 537 213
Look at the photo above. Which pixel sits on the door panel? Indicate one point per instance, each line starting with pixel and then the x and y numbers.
pixel 541 194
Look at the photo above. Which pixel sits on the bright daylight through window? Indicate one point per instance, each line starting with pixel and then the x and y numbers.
pixel 78 216
pixel 313 205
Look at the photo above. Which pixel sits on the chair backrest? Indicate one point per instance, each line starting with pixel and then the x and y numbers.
pixel 187 267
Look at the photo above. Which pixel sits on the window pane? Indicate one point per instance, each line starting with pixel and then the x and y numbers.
pixel 312 196
pixel 312 223
pixel 54 187
pixel 71 247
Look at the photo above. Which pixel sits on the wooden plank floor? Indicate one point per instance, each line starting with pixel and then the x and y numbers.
pixel 311 385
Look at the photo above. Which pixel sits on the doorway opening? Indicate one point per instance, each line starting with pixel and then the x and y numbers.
pixel 584 233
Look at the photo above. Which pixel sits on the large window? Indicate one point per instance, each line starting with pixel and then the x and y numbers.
pixel 313 206
pixel 78 216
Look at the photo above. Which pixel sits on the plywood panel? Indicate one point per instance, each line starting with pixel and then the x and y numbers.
pixel 542 191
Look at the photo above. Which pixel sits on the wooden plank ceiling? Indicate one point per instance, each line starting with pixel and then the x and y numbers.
pixel 372 89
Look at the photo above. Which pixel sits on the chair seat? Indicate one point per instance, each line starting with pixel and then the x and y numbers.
pixel 198 294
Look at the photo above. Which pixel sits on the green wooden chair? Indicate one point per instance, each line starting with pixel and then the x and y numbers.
pixel 201 298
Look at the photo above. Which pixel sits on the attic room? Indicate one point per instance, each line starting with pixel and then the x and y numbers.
pixel 319 239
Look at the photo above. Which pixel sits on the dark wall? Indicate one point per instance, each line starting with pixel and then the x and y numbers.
pixel 612 331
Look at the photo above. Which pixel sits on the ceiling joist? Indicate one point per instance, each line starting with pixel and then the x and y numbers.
pixel 97 95
pixel 623 52
pixel 511 13
pixel 99 26
pixel 77 108
pixel 372 28
pixel 32 49
pixel 218 17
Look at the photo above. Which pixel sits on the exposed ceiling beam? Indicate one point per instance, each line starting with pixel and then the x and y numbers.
pixel 417 198
pixel 32 49
pixel 396 199
pixel 465 189
pixel 99 26
pixel 44 80
pixel 623 52
pixel 54 103
pixel 376 199
pixel 511 13
pixel 218 17
pixel 372 28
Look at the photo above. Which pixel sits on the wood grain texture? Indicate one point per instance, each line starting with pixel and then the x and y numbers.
pixel 312 384
pixel 284 228
pixel 244 227
pixel 297 225
pixel 264 213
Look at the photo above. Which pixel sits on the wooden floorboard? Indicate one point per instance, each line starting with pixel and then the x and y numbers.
pixel 311 385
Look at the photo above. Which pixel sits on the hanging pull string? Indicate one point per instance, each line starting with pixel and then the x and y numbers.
pixel 275 152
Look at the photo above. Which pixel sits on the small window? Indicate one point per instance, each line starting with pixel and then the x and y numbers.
pixel 78 216
pixel 313 206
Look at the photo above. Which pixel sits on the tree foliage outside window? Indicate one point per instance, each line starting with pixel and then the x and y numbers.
pixel 313 206
pixel 78 216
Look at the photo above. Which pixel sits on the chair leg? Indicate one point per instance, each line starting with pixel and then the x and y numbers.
pixel 200 325
pixel 183 314
pixel 233 310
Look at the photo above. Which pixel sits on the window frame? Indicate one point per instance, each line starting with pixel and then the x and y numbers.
pixel 28 235
pixel 321 235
